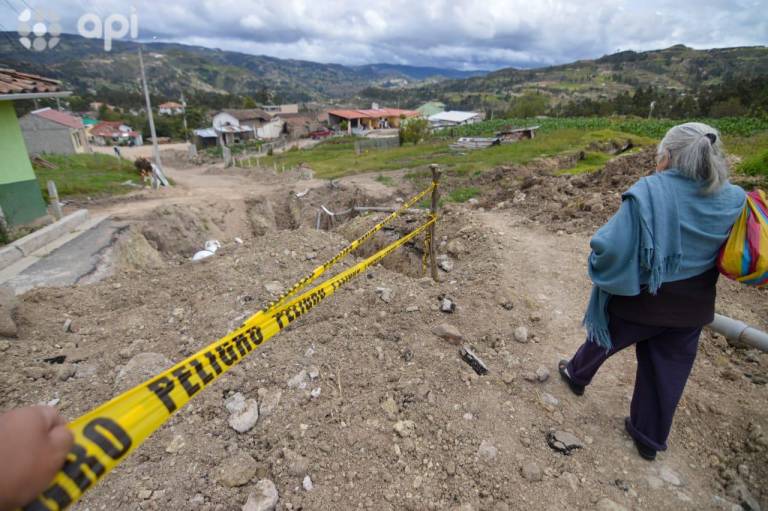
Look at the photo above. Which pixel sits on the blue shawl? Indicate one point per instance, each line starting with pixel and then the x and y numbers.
pixel 666 230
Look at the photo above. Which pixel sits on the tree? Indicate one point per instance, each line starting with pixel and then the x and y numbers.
pixel 414 130
pixel 529 105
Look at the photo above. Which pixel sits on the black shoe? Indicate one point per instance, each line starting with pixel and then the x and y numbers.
pixel 643 450
pixel 575 387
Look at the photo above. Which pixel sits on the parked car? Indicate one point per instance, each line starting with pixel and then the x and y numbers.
pixel 318 134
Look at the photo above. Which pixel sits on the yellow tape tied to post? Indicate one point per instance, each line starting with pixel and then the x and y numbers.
pixel 108 434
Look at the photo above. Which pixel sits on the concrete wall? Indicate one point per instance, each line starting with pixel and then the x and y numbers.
pixel 44 136
pixel 20 195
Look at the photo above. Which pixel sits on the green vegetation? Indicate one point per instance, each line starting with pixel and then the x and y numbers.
pixel 463 194
pixel 591 162
pixel 414 131
pixel 385 180
pixel 87 175
pixel 336 157
pixel 756 165
pixel 652 128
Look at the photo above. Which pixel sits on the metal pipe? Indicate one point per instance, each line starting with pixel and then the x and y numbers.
pixel 740 332
pixel 377 209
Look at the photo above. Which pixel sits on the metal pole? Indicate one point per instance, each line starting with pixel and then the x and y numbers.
pixel 53 194
pixel 436 173
pixel 150 116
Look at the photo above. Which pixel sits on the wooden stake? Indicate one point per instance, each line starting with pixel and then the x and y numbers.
pixel 53 194
pixel 436 173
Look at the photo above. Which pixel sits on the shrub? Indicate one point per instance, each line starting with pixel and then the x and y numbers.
pixel 414 131
pixel 757 165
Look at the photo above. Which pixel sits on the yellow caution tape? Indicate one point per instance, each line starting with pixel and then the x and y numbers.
pixel 106 435
pixel 320 270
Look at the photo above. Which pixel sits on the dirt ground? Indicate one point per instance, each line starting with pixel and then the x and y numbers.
pixel 401 422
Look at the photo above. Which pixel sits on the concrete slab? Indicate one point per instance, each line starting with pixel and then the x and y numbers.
pixel 50 233
pixel 69 263
pixel 9 255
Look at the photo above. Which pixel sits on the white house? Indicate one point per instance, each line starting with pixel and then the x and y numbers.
pixel 236 126
pixel 453 118
pixel 171 108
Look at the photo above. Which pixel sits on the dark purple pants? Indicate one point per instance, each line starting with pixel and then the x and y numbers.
pixel 664 360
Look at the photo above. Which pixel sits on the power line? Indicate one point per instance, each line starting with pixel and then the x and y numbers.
pixel 14 9
pixel 5 33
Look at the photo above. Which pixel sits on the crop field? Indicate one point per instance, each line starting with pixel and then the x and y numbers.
pixel 653 128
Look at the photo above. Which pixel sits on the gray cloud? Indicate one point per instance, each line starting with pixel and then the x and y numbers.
pixel 464 34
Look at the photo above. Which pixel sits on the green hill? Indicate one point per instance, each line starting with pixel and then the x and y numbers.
pixel 85 66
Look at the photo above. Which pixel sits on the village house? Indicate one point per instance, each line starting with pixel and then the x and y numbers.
pixel 171 108
pixel 292 108
pixel 301 125
pixel 20 197
pixel 361 121
pixel 510 134
pixel 48 131
pixel 237 126
pixel 115 133
pixel 453 118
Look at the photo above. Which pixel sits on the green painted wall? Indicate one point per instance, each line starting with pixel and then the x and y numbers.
pixel 22 203
pixel 20 195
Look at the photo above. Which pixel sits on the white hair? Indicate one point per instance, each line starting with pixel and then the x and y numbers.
pixel 695 149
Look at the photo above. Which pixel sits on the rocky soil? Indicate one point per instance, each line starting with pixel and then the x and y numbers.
pixel 366 402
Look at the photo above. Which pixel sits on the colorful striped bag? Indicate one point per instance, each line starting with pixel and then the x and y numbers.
pixel 744 257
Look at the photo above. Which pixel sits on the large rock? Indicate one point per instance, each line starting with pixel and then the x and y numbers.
pixel 237 470
pixel 244 413
pixel 141 368
pixel 269 399
pixel 531 472
pixel 448 332
pixel 609 505
pixel 8 305
pixel 263 498
pixel 456 248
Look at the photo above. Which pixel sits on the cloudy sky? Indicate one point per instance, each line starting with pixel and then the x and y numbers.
pixel 462 34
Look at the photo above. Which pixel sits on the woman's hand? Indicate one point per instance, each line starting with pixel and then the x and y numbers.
pixel 34 443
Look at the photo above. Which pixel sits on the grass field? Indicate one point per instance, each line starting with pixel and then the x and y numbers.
pixel 90 175
pixel 336 157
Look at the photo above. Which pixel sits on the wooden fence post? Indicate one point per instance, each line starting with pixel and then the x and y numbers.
pixel 436 173
pixel 53 195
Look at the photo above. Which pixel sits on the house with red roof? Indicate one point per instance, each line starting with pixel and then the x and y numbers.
pixel 361 121
pixel 49 131
pixel 115 133
pixel 171 108
pixel 20 198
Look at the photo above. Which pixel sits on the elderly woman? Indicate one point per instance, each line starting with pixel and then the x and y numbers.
pixel 654 274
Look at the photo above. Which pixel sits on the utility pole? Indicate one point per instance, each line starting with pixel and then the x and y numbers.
pixel 184 113
pixel 149 113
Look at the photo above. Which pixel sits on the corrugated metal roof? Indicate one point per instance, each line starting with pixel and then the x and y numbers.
pixel 372 114
pixel 453 116
pixel 249 114
pixel 62 118
pixel 15 82
pixel 206 133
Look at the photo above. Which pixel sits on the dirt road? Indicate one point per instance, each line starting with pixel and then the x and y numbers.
pixel 399 420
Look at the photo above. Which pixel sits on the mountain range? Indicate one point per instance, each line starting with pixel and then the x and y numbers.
pixel 85 66
pixel 174 68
